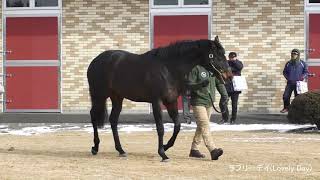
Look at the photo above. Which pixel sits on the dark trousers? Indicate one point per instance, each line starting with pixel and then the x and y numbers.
pixel 234 100
pixel 186 109
pixel 287 94
pixel 223 100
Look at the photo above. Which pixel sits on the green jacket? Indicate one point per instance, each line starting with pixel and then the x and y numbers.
pixel 200 95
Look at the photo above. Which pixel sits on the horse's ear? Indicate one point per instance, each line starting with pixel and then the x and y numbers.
pixel 217 39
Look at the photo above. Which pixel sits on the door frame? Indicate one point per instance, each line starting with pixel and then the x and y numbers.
pixel 310 9
pixel 16 12
pixel 306 35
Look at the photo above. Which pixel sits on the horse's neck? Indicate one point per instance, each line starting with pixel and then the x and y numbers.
pixel 187 66
pixel 182 73
pixel 181 70
pixel 179 66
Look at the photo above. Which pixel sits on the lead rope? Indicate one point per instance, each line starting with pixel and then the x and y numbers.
pixel 214 106
pixel 221 78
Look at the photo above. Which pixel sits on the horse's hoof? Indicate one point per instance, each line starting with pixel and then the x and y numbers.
pixel 93 151
pixel 123 155
pixel 165 160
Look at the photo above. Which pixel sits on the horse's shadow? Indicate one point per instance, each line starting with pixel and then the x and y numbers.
pixel 74 154
pixel 34 152
pixel 87 154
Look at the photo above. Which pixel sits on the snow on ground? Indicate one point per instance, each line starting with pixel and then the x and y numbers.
pixel 39 128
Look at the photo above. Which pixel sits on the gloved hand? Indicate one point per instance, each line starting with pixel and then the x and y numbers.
pixel 193 87
pixel 301 78
pixel 205 83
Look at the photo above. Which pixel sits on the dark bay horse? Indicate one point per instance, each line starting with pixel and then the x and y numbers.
pixel 155 76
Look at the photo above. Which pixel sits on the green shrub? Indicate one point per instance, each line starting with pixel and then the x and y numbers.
pixel 305 108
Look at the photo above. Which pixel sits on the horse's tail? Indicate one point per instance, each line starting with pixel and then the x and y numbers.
pixel 102 116
pixel 98 112
pixel 97 89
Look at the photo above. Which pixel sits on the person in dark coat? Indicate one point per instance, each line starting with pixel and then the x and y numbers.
pixel 294 70
pixel 236 67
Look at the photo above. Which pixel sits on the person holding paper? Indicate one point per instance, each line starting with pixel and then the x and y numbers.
pixel 236 67
pixel 295 70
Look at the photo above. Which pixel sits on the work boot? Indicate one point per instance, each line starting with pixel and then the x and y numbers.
pixel 216 153
pixel 223 121
pixel 196 154
pixel 187 119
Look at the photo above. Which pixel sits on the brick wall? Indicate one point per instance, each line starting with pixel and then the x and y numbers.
pixel 263 33
pixel 89 28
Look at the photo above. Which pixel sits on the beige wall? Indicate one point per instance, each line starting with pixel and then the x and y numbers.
pixel 263 32
pixel 89 28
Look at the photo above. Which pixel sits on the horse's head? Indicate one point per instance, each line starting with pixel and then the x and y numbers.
pixel 215 60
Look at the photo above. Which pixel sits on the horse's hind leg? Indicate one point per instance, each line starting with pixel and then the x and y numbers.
pixel 160 129
pixel 172 109
pixel 97 113
pixel 114 117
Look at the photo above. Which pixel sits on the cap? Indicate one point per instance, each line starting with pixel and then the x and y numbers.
pixel 232 54
pixel 295 51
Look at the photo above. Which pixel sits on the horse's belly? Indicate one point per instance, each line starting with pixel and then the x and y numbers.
pixel 139 99
pixel 133 94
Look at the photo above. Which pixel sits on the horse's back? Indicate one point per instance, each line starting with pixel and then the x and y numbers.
pixel 107 59
pixel 135 77
pixel 106 66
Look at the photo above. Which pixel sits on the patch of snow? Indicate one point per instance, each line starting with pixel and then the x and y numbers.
pixel 27 131
pixel 135 128
pixel 3 126
pixel 255 127
pixel 31 129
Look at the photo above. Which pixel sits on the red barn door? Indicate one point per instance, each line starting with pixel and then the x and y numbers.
pixel 32 66
pixel 313 57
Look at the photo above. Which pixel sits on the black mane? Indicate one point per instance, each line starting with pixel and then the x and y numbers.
pixel 179 48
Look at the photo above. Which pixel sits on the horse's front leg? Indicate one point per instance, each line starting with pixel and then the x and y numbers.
pixel 160 129
pixel 114 117
pixel 172 109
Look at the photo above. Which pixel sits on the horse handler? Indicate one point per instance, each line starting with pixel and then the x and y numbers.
pixel 202 109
